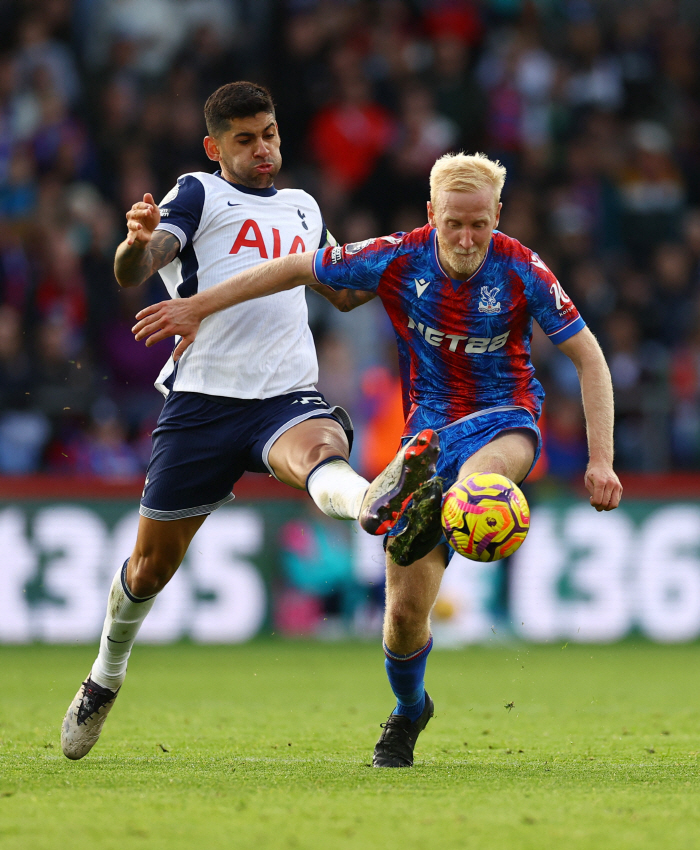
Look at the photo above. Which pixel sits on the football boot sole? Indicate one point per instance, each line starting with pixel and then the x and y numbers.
pixel 390 492
pixel 423 529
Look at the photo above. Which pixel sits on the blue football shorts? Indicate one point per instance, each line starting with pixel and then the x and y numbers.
pixel 461 439
pixel 203 444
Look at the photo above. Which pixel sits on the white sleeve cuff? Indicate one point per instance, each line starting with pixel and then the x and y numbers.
pixel 175 230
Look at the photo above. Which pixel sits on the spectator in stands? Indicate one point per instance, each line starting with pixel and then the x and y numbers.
pixel 639 375
pixel 595 75
pixel 674 292
pixel 19 189
pixel 382 396
pixel 685 386
pixel 457 94
pixel 350 135
pixel 23 429
pixel 43 60
pixel 61 290
pixel 651 189
pixel 103 449
pixel 16 279
pixel 65 378
pixel 565 437
pixel 591 289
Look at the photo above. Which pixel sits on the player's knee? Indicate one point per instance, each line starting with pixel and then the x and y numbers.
pixel 499 465
pixel 318 454
pixel 328 440
pixel 304 447
pixel 148 573
pixel 296 468
pixel 407 617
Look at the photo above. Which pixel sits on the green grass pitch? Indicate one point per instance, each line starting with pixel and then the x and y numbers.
pixel 267 745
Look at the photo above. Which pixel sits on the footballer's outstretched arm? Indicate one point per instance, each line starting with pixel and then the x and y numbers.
pixel 598 406
pixel 182 316
pixel 344 300
pixel 145 249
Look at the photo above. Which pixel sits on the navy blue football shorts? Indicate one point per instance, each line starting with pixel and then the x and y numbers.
pixel 203 444
pixel 461 439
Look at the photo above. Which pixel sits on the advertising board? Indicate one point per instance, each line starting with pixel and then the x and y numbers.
pixel 275 565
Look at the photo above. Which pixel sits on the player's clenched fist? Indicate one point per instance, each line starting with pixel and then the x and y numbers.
pixel 604 486
pixel 168 318
pixel 142 219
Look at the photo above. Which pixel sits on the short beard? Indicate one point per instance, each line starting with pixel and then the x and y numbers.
pixel 465 264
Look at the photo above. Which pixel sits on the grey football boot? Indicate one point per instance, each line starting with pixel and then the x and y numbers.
pixel 85 718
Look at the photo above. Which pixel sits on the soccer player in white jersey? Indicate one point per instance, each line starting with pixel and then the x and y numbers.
pixel 243 398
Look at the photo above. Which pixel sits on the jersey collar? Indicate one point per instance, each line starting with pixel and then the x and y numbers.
pixel 457 283
pixel 262 193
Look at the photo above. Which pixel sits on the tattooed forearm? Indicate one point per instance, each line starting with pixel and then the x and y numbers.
pixel 133 264
pixel 164 248
pixel 346 299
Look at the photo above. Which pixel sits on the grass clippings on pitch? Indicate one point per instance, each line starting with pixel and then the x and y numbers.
pixel 268 746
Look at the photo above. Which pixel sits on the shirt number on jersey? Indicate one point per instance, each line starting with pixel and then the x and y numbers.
pixel 559 295
pixel 250 236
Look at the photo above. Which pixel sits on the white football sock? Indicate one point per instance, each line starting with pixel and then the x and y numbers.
pixel 125 613
pixel 337 489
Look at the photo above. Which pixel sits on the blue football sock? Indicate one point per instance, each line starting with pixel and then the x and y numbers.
pixel 406 673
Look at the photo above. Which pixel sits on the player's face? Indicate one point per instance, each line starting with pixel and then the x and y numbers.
pixel 464 222
pixel 249 151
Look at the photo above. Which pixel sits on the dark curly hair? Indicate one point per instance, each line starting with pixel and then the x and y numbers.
pixel 235 100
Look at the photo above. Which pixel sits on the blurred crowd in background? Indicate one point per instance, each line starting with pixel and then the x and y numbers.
pixel 593 107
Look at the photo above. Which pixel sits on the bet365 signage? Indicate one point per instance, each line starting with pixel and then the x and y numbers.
pixel 59 561
pixel 586 576
pixel 579 576
pixel 590 576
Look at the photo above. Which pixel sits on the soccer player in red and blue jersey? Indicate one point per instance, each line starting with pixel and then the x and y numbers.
pixel 462 298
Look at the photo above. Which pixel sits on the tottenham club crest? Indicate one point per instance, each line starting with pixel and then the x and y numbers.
pixel 488 303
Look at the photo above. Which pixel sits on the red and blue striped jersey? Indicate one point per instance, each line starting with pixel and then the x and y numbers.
pixel 464 346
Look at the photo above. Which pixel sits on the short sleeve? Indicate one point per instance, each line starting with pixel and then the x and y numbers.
pixel 357 265
pixel 327 237
pixel 181 209
pixel 549 304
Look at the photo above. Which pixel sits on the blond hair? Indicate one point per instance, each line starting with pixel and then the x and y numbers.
pixel 460 172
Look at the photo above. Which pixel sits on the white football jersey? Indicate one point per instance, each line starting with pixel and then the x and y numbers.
pixel 262 348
